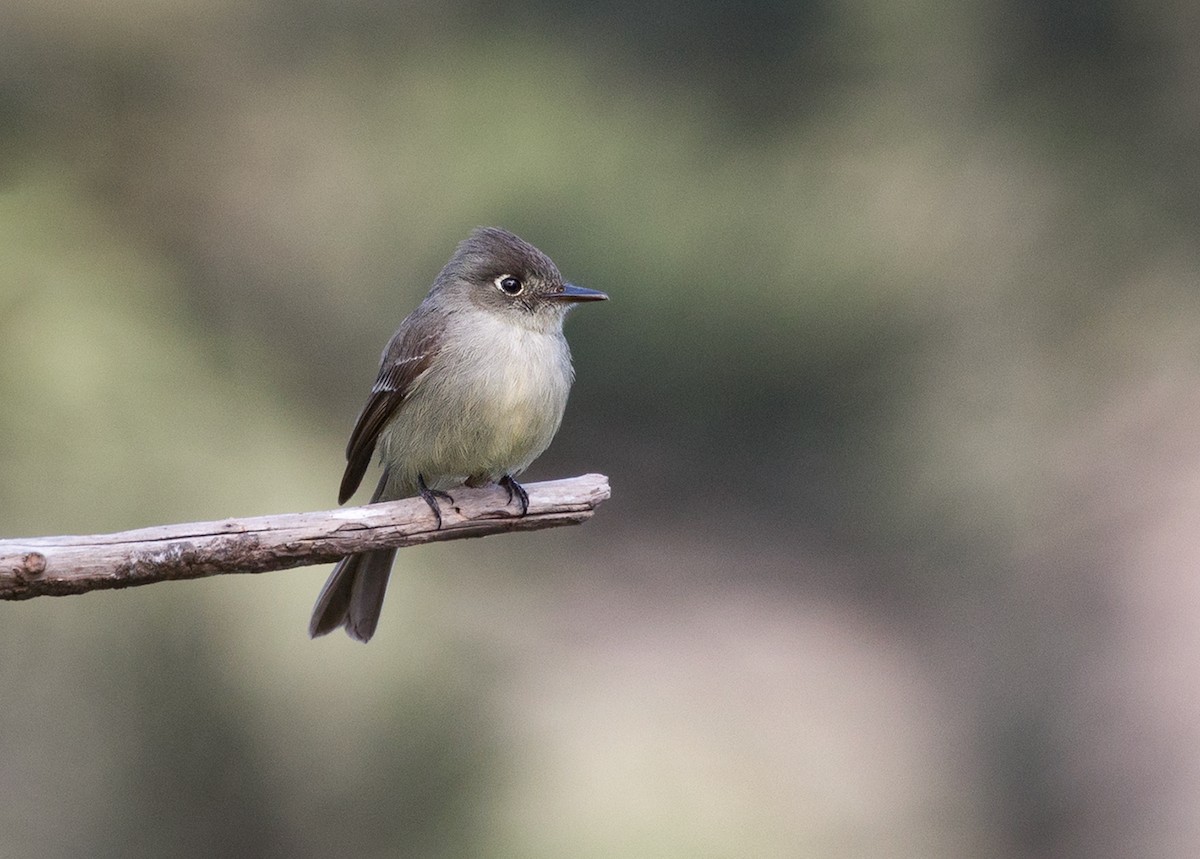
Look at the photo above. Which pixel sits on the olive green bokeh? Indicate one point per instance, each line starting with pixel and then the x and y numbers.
pixel 896 392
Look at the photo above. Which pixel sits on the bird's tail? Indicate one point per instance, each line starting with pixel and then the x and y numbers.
pixel 353 595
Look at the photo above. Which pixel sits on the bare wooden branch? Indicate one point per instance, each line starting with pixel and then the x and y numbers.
pixel 56 566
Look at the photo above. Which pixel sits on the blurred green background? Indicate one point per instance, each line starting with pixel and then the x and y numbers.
pixel 897 392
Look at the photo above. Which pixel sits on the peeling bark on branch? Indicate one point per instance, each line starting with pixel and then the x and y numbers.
pixel 56 566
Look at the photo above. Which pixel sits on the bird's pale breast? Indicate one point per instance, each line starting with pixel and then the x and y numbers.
pixel 488 406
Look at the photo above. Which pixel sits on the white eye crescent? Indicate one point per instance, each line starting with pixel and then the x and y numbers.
pixel 509 284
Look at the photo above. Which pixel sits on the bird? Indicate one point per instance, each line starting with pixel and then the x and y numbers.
pixel 471 389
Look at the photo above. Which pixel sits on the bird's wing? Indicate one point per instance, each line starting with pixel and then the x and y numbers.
pixel 406 357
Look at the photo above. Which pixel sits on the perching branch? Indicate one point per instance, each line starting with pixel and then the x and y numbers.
pixel 56 566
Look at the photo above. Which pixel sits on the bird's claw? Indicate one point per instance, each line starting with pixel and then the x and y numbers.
pixel 431 496
pixel 516 490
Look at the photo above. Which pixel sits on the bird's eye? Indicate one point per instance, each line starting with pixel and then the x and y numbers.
pixel 509 285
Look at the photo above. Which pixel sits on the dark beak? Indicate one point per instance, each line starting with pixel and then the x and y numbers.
pixel 571 292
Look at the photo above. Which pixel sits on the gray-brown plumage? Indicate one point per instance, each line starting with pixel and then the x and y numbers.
pixel 471 389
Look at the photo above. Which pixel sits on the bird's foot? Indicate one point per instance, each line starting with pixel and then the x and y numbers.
pixel 431 496
pixel 515 489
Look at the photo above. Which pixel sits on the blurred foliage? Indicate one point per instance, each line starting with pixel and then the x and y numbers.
pixel 896 392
